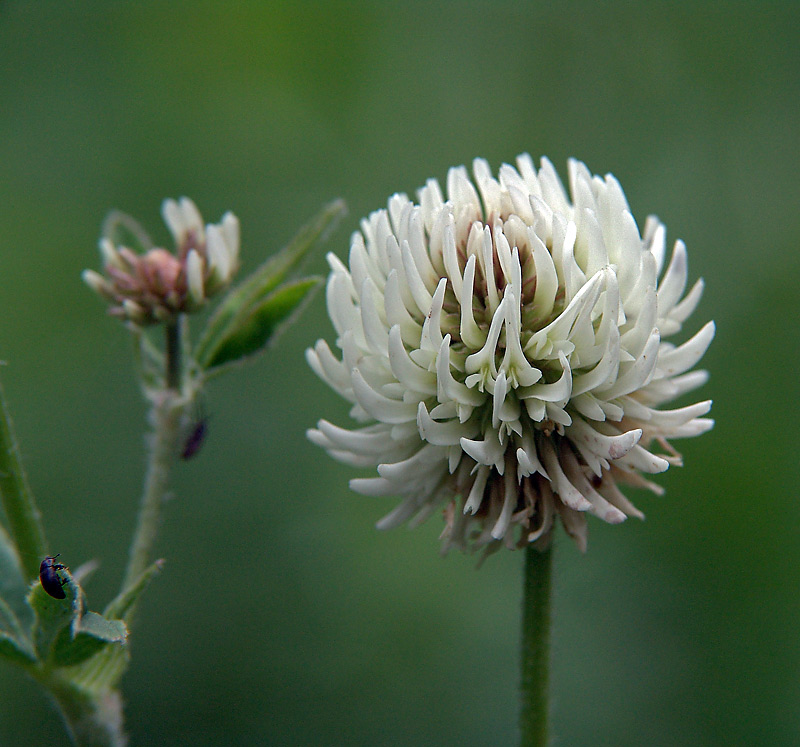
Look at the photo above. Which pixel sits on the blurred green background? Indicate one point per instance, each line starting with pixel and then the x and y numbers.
pixel 283 617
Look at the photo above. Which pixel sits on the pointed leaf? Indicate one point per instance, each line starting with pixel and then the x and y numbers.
pixel 102 672
pixel 15 651
pixel 85 637
pixel 10 623
pixel 267 277
pixel 22 516
pixel 277 268
pixel 96 626
pixel 122 230
pixel 119 607
pixel 13 587
pixel 254 327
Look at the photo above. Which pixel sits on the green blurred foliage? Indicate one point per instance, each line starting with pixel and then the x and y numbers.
pixel 309 627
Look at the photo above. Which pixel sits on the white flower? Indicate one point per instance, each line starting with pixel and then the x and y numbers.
pixel 506 353
pixel 154 286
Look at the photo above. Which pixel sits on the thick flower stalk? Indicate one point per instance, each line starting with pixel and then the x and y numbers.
pixel 507 353
pixel 158 285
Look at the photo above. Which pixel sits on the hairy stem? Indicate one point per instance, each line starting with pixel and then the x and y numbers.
pixel 167 408
pixel 535 648
pixel 91 719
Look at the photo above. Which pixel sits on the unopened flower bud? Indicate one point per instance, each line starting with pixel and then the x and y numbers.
pixel 156 285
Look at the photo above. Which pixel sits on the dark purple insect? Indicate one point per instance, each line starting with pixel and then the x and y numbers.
pixel 195 439
pixel 48 576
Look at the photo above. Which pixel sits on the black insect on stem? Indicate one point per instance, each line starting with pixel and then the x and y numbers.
pixel 195 439
pixel 48 576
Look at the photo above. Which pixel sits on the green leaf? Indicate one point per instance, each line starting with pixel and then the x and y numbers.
pixel 100 673
pixel 10 623
pixel 277 268
pixel 264 280
pixel 22 516
pixel 120 606
pixel 96 626
pixel 258 325
pixel 13 587
pixel 16 651
pixel 122 230
pixel 65 632
pixel 85 637
pixel 54 615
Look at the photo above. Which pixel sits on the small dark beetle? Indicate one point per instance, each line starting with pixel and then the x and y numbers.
pixel 195 439
pixel 48 577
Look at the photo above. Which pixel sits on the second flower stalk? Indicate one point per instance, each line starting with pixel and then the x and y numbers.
pixel 152 289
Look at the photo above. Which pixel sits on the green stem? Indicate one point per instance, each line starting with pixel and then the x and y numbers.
pixel 167 409
pixel 92 719
pixel 24 519
pixel 173 355
pixel 535 647
pixel 88 699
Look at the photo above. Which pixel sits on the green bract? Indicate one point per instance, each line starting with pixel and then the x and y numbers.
pixel 251 314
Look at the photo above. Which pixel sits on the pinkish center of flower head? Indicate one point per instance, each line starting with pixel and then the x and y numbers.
pixel 149 287
pixel 157 285
pixel 161 273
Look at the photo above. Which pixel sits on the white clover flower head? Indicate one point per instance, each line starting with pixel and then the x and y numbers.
pixel 155 286
pixel 506 353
